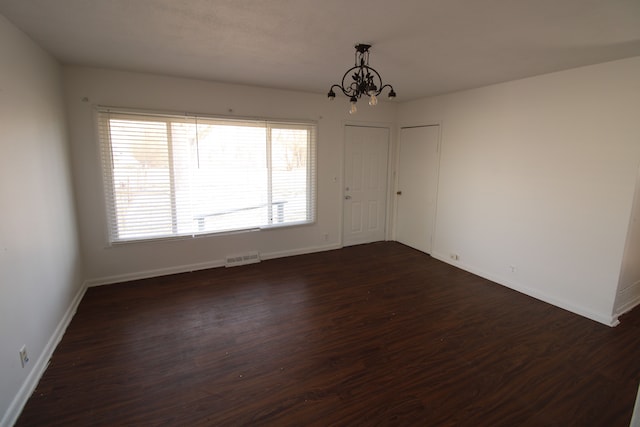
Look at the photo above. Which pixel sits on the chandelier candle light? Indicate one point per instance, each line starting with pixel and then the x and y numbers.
pixel 366 81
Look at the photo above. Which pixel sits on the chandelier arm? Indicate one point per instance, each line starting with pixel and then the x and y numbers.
pixel 383 87
pixel 338 86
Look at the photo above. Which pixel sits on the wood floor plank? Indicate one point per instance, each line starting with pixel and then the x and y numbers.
pixel 375 334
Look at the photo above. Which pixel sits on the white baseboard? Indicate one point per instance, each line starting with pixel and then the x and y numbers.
pixel 119 278
pixel 631 303
pixel 30 383
pixel 199 266
pixel 605 319
pixel 301 251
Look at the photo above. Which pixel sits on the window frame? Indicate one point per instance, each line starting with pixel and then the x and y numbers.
pixel 103 114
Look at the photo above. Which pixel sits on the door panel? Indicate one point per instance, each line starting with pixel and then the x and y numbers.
pixel 365 191
pixel 417 182
pixel 356 218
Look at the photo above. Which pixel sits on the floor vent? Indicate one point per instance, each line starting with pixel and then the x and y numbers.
pixel 235 260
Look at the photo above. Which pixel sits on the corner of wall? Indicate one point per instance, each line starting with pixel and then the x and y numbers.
pixel 603 318
pixel 31 382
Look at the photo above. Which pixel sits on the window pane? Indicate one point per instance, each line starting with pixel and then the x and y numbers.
pixel 290 177
pixel 171 175
pixel 141 178
pixel 183 150
pixel 230 177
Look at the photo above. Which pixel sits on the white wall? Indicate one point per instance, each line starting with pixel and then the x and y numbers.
pixel 113 88
pixel 539 174
pixel 629 286
pixel 40 276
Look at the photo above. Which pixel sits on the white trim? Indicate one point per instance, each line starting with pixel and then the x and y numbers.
pixel 632 303
pixel 177 219
pixel 187 268
pixel 300 251
pixel 127 277
pixel 609 320
pixel 33 378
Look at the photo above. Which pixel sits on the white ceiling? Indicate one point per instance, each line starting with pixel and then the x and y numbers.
pixel 421 47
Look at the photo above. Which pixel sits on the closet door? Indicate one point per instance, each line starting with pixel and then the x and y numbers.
pixel 417 186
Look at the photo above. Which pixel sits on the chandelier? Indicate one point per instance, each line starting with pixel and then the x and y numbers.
pixel 364 81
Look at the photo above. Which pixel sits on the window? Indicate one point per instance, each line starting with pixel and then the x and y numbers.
pixel 170 175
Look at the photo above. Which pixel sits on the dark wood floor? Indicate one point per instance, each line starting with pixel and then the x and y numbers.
pixel 375 334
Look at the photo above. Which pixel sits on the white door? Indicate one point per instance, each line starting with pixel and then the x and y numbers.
pixel 417 186
pixel 365 185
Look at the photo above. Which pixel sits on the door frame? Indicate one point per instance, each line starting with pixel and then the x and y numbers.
pixel 396 177
pixel 391 160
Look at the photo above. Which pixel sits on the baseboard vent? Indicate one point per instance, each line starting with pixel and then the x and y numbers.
pixel 235 260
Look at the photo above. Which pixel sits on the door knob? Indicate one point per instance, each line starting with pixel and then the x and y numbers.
pixel 399 193
pixel 347 197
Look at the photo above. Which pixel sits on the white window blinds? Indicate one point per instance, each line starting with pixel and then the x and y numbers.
pixel 170 175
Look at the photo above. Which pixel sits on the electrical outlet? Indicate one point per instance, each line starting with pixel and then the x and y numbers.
pixel 326 236
pixel 454 257
pixel 24 358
